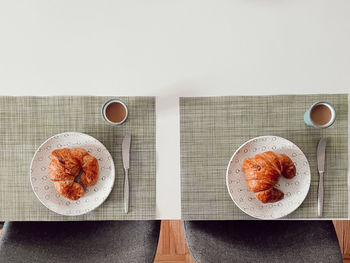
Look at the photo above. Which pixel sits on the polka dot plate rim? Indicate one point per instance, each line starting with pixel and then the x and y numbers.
pixel 295 189
pixel 94 195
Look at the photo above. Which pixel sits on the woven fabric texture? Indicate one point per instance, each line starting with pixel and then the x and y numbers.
pixel 26 122
pixel 212 128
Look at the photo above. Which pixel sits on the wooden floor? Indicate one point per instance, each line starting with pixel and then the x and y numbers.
pixel 172 246
pixel 343 231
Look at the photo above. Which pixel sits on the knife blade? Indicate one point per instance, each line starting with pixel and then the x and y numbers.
pixel 126 150
pixel 321 167
pixel 321 155
pixel 126 163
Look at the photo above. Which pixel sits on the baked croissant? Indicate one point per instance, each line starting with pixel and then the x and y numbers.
pixel 262 173
pixel 66 165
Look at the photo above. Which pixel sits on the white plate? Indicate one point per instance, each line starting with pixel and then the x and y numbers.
pixel 295 189
pixel 94 195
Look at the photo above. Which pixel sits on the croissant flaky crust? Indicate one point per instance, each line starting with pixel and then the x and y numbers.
pixel 262 173
pixel 66 165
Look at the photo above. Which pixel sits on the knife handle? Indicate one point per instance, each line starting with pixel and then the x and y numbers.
pixel 126 191
pixel 320 195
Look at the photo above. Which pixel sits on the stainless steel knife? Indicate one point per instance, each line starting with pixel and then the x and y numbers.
pixel 321 166
pixel 126 162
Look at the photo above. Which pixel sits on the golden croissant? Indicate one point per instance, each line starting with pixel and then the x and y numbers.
pixel 262 173
pixel 66 165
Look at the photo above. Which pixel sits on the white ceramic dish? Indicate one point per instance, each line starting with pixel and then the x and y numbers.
pixel 295 189
pixel 94 195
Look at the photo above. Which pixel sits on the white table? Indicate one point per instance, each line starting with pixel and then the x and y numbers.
pixel 170 49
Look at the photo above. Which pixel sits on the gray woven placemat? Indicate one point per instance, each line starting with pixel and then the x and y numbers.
pixel 26 122
pixel 212 128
